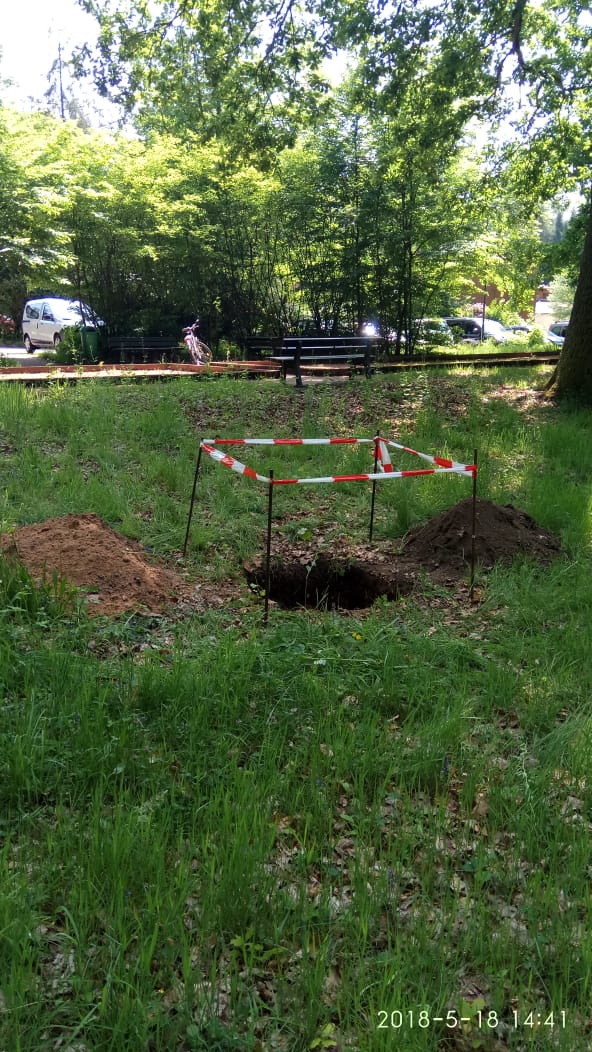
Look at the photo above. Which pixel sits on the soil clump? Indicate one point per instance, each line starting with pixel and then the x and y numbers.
pixel 503 532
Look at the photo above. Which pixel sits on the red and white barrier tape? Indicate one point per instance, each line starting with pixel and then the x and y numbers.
pixel 287 441
pixel 443 466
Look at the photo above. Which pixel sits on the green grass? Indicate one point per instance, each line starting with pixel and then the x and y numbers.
pixel 218 836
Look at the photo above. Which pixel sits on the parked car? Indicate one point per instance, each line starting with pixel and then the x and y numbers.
pixel 44 320
pixel 556 333
pixel 521 329
pixel 494 330
pixel 474 330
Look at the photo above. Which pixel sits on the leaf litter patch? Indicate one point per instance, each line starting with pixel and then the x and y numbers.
pixel 440 550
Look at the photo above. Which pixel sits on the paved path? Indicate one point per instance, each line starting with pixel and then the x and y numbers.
pixel 16 354
pixel 33 369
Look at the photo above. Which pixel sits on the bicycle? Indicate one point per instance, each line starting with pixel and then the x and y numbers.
pixel 199 351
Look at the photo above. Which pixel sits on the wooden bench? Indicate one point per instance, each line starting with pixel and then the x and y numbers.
pixel 145 349
pixel 260 347
pixel 297 351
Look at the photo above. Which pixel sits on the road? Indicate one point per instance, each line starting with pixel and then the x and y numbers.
pixel 17 355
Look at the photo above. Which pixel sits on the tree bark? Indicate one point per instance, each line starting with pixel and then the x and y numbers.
pixel 574 372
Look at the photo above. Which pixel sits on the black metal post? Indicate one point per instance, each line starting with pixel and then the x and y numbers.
pixel 368 360
pixel 297 354
pixel 473 529
pixel 376 437
pixel 192 500
pixel 268 550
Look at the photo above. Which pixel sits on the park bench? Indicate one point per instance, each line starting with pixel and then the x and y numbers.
pixel 293 352
pixel 297 351
pixel 144 348
pixel 258 347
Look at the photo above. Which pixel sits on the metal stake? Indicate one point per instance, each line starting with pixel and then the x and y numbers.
pixel 473 528
pixel 376 437
pixel 192 499
pixel 297 356
pixel 268 551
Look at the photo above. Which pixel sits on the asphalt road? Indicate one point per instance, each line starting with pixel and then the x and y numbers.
pixel 17 355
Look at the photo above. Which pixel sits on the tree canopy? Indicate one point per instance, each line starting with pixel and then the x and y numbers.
pixel 253 191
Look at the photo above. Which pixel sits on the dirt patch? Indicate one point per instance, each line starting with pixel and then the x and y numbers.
pixel 531 401
pixel 314 576
pixel 119 574
pixel 117 571
pixel 443 545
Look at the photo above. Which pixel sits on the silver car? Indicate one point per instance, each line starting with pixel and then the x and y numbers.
pixel 44 321
pixel 556 333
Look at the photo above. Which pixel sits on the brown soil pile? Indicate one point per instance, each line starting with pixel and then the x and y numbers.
pixel 119 575
pixel 501 534
pixel 83 549
pixel 349 576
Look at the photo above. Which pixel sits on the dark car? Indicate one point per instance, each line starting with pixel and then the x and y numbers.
pixel 521 329
pixel 432 331
pixel 6 325
pixel 473 330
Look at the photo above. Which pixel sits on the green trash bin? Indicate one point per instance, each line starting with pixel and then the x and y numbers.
pixel 90 343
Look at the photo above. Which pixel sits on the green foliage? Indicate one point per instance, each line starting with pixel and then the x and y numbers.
pixel 23 600
pixel 536 338
pixel 155 234
pixel 564 256
pixel 248 75
pixel 256 197
pixel 77 347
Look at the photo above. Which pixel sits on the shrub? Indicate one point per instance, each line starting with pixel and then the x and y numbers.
pixel 75 349
pixel 536 338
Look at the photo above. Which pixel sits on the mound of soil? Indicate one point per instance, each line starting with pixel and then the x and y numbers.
pixel 83 549
pixel 502 533
pixel 355 575
pixel 118 574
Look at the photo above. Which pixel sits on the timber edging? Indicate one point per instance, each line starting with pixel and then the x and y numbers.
pixel 43 374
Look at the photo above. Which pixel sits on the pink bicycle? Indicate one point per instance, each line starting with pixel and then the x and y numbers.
pixel 199 351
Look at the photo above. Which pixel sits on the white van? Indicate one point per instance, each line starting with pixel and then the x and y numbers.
pixel 44 321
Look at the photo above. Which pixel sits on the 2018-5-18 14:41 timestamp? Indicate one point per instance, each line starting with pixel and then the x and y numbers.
pixel 480 1020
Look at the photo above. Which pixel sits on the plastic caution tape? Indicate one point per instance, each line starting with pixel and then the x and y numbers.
pixel 442 465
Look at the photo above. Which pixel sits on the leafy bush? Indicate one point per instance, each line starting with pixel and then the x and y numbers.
pixel 75 348
pixel 536 338
pixel 227 351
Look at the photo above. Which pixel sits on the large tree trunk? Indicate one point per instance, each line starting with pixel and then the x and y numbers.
pixel 574 372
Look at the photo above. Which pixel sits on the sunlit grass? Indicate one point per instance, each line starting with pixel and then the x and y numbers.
pixel 216 836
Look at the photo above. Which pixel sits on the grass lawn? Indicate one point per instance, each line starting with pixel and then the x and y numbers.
pixel 359 831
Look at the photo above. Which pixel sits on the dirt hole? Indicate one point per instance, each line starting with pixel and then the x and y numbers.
pixel 118 574
pixel 311 575
pixel 328 583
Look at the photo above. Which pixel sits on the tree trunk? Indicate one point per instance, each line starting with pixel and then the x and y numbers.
pixel 574 372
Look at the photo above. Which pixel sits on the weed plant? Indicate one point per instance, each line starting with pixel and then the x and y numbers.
pixel 338 832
